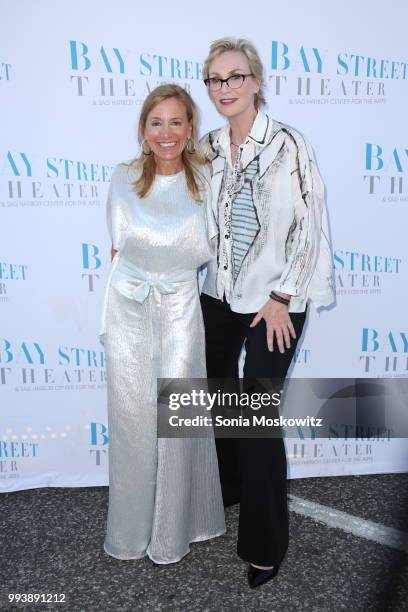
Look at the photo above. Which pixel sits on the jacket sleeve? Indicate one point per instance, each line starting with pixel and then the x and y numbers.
pixel 303 240
pixel 115 214
pixel 211 223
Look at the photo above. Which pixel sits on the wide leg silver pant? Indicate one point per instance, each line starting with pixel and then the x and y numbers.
pixel 163 493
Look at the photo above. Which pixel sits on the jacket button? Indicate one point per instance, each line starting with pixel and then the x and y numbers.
pixel 225 267
pixel 226 236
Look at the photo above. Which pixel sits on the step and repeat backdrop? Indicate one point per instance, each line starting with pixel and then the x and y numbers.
pixel 73 76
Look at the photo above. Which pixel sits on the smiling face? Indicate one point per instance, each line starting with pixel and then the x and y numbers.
pixel 167 130
pixel 232 102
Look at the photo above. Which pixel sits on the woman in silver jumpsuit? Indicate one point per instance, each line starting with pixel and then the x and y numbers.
pixel 163 493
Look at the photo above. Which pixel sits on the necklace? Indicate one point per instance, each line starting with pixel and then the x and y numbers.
pixel 237 146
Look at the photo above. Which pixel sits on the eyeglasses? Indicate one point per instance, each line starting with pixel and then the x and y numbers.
pixel 235 81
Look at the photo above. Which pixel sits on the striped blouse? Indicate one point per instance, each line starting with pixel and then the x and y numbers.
pixel 244 223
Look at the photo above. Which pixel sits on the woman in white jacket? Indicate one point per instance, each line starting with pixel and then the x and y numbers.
pixel 273 255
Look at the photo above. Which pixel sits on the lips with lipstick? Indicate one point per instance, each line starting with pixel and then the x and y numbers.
pixel 227 101
pixel 167 145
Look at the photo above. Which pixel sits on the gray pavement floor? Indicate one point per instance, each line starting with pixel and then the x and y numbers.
pixel 51 541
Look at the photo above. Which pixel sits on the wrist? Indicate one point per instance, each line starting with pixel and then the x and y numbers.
pixel 277 296
pixel 286 296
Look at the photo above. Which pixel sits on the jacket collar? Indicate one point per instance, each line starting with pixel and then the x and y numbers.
pixel 260 131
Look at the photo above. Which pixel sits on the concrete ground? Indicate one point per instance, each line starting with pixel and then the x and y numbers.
pixel 348 551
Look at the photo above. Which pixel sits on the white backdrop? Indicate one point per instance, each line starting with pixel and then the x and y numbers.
pixel 72 78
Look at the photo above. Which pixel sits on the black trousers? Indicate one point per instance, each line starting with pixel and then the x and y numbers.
pixel 252 470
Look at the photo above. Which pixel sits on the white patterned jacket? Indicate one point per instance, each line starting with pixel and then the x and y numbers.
pixel 291 248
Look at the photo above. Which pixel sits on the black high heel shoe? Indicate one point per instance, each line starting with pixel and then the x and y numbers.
pixel 257 576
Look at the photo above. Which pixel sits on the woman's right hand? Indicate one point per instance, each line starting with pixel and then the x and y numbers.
pixel 278 324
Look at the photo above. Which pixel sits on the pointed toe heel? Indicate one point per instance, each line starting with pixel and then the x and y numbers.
pixel 257 577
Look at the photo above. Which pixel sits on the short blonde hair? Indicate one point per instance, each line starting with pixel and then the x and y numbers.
pixel 192 160
pixel 248 49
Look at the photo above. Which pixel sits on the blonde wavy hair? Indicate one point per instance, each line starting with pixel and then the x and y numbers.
pixel 192 158
pixel 229 43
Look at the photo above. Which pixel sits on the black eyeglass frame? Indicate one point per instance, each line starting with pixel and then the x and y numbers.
pixel 207 81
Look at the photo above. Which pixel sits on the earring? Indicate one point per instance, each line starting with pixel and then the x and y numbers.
pixel 190 148
pixel 146 148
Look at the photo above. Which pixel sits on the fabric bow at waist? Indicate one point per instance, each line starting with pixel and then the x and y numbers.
pixel 135 283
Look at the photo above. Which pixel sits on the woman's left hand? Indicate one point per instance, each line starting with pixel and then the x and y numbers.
pixel 278 324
